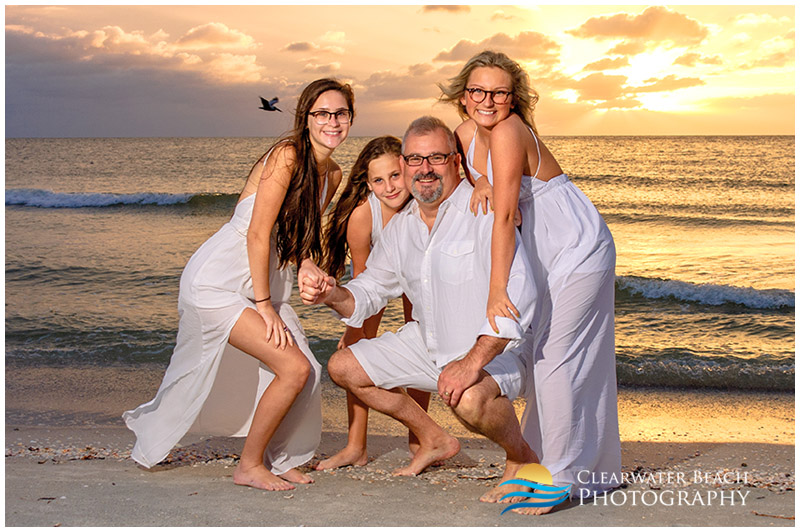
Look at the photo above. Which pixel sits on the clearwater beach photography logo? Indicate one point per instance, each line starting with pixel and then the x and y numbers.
pixel 540 481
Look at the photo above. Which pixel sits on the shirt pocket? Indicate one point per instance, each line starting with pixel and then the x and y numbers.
pixel 456 263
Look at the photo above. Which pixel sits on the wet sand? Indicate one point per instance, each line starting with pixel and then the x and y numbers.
pixel 730 454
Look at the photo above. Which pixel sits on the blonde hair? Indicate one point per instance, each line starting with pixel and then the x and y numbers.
pixel 524 97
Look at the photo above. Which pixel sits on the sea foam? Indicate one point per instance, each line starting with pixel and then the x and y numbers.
pixel 65 200
pixel 706 293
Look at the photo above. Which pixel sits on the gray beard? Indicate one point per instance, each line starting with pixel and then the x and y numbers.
pixel 429 196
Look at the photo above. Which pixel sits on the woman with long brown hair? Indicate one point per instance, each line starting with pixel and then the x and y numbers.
pixel 374 193
pixel 242 365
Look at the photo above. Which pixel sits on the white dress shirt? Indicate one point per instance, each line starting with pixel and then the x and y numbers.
pixel 445 274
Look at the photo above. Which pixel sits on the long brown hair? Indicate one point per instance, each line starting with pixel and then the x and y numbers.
pixel 299 222
pixel 354 194
pixel 524 97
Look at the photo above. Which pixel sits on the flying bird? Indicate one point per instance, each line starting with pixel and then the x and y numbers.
pixel 269 105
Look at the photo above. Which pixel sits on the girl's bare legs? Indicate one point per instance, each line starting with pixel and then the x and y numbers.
pixel 291 369
pixel 355 452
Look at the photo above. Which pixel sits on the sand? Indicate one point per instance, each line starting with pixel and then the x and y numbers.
pixel 702 459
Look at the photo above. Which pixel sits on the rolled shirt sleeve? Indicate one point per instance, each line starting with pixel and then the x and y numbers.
pixel 374 287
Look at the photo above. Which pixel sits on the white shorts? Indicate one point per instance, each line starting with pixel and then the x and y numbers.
pixel 401 360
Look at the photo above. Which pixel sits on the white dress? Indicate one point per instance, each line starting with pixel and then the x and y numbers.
pixel 211 388
pixel 570 419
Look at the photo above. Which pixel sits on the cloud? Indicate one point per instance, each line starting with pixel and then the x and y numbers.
pixel 304 46
pixel 526 46
pixel 668 83
pixel 600 86
pixel 322 69
pixel 628 48
pixel 501 15
pixel 112 49
pixel 764 19
pixel 418 82
pixel 773 53
pixel 307 46
pixel 691 59
pixel 446 8
pixel 214 35
pixel 608 63
pixel 655 24
pixel 773 60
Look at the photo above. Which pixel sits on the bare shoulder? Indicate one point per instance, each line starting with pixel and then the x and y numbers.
pixel 361 215
pixel 335 174
pixel 359 228
pixel 512 128
pixel 280 163
pixel 465 130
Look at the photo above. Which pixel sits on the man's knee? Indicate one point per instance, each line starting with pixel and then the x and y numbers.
pixel 473 402
pixel 338 365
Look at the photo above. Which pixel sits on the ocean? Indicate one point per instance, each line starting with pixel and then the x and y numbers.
pixel 99 230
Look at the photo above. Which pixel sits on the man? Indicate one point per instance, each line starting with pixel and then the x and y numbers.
pixel 438 253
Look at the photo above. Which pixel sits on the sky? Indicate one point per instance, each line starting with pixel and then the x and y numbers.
pixel 198 71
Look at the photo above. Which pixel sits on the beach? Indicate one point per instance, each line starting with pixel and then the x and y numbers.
pixel 694 458
pixel 705 341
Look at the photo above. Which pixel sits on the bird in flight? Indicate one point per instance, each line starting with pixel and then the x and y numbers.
pixel 269 105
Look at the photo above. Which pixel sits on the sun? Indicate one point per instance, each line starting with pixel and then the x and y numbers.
pixel 535 473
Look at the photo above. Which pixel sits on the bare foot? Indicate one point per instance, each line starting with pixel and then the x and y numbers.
pixel 293 475
pixel 348 456
pixel 259 477
pixel 532 510
pixel 497 493
pixel 443 448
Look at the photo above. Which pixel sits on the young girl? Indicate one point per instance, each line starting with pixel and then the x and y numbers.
pixel 242 364
pixel 374 193
pixel 571 415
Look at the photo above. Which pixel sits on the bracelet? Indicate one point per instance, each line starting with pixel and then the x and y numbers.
pixel 262 300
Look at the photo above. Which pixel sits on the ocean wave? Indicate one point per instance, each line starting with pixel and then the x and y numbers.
pixel 706 293
pixel 47 199
pixel 688 371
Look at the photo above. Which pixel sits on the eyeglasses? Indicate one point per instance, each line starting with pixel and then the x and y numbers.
pixel 433 158
pixel 478 95
pixel 323 117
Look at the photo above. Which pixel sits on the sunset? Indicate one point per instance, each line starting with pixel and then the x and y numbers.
pixel 199 70
pixel 409 266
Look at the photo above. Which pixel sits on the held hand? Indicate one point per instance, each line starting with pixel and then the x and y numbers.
pixel 456 377
pixel 277 331
pixel 311 294
pixel 482 196
pixel 309 274
pixel 499 305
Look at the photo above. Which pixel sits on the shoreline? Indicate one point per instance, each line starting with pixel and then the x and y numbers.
pixel 67 462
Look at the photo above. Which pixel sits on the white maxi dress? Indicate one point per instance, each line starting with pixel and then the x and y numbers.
pixel 211 388
pixel 570 419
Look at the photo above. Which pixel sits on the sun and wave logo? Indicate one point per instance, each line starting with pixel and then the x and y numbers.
pixel 540 481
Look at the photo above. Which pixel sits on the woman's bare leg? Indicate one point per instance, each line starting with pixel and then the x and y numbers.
pixel 291 369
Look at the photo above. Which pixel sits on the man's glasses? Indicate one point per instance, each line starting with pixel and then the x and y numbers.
pixel 478 95
pixel 323 117
pixel 433 158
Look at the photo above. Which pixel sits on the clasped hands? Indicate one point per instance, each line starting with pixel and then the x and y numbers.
pixel 314 284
